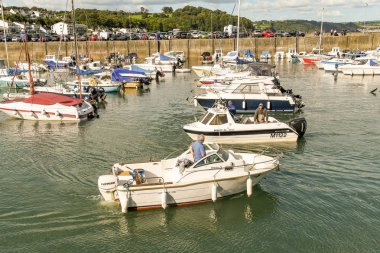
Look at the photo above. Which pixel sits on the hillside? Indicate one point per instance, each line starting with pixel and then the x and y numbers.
pixel 187 18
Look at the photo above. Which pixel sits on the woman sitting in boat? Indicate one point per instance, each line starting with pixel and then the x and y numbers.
pixel 261 115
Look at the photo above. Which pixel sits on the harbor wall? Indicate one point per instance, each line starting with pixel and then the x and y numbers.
pixel 99 50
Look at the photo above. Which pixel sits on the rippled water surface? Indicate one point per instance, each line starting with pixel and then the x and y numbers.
pixel 326 197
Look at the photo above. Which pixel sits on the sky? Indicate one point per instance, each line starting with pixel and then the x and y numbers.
pixel 333 10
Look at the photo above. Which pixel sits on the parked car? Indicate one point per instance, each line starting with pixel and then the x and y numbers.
pixel 257 34
pixel 83 37
pixel 163 35
pixel 282 34
pixel 268 34
pixel 93 37
pixel 184 35
pixel 297 34
pixel 55 37
pixel 44 38
pixel 35 37
pixel 195 35
pixel 203 35
pixel 16 38
pixel 152 36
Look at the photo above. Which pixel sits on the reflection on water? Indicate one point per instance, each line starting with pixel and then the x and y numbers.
pixel 326 191
pixel 237 210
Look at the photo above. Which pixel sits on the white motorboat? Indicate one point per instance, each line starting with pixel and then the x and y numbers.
pixel 335 64
pixel 62 62
pixel 219 126
pixel 179 181
pixel 47 106
pixel 265 55
pixel 335 52
pixel 19 81
pixel 176 55
pixel 60 90
pixel 368 67
pixel 104 82
pixel 224 77
pixel 247 94
pixel 228 84
pixel 203 70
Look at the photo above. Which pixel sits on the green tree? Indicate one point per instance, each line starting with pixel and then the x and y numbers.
pixel 167 10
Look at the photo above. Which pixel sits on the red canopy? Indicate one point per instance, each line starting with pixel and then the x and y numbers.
pixel 51 99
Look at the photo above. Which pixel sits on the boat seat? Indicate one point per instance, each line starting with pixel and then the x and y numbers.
pixel 124 173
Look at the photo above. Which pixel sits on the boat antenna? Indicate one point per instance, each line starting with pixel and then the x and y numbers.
pixel 5 38
pixel 77 62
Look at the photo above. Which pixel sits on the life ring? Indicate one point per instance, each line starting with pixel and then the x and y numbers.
pixel 93 82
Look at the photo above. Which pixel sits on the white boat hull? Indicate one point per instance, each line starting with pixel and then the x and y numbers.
pixel 186 194
pixel 250 138
pixel 54 112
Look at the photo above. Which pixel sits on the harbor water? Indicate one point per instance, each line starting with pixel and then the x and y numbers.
pixel 325 198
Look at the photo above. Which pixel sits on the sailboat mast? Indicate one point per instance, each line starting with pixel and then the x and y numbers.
pixel 77 62
pixel 31 82
pixel 321 32
pixel 238 31
pixel 5 38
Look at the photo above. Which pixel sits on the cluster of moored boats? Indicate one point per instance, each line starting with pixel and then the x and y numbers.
pixel 349 63
pixel 221 173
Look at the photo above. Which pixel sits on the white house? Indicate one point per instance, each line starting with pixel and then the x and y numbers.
pixel 65 29
pixel 13 11
pixel 60 28
pixel 35 14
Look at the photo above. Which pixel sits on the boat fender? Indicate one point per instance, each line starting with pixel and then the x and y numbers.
pixel 32 114
pixel 15 112
pixel 195 102
pixel 214 192
pixel 164 199
pixel 268 105
pixel 43 112
pixel 249 186
pixel 57 113
pixel 244 105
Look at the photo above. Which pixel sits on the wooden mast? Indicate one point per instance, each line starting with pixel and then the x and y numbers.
pixel 31 83
pixel 77 62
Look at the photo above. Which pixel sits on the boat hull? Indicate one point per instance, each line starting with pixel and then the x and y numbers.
pixel 184 194
pixel 54 112
pixel 246 137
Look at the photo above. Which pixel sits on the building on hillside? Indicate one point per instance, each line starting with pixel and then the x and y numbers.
pixel 35 14
pixel 10 27
pixel 65 29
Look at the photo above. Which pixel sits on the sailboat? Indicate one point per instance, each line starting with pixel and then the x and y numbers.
pixel 315 55
pixel 46 106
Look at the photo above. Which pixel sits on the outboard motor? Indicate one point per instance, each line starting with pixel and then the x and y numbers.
pixel 107 185
pixel 299 125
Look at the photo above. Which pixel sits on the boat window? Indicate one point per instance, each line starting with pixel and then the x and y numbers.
pixel 207 118
pixel 219 119
pixel 224 154
pixel 209 160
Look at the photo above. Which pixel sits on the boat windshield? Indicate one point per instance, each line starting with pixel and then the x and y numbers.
pixel 223 154
pixel 206 118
